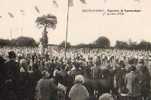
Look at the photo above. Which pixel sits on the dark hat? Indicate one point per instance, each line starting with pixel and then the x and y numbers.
pixel 132 68
pixel 131 60
pixel 11 54
pixel 141 61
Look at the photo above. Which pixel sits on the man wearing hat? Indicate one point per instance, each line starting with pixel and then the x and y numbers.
pixel 12 72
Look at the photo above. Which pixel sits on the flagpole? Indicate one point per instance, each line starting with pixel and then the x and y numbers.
pixel 67 26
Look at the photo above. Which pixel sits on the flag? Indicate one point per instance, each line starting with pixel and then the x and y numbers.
pixel 22 12
pixel 83 1
pixel 105 1
pixel 55 3
pixel 37 9
pixel 10 15
pixel 70 3
pixel 137 0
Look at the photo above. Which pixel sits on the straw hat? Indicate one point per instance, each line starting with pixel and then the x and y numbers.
pixel 79 78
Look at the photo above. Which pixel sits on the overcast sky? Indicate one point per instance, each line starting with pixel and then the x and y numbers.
pixel 84 27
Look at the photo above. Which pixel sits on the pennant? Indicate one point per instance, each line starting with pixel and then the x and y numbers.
pixel 105 1
pixel 10 15
pixel 83 1
pixel 55 3
pixel 70 3
pixel 137 0
pixel 37 9
pixel 22 12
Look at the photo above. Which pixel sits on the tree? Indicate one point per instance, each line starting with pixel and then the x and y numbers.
pixel 4 42
pixel 62 44
pixel 144 45
pixel 45 22
pixel 25 41
pixel 133 45
pixel 121 45
pixel 102 42
pixel 81 45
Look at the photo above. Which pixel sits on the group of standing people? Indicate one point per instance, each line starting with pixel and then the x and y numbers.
pixel 79 77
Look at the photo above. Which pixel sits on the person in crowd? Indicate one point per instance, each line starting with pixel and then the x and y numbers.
pixel 106 96
pixel 34 78
pixel 24 86
pixel 96 65
pixel 79 91
pixel 132 82
pixel 46 88
pixel 144 77
pixel 12 74
pixel 119 77
pixel 2 76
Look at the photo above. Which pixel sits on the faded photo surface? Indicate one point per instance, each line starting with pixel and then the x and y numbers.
pixel 87 20
pixel 75 50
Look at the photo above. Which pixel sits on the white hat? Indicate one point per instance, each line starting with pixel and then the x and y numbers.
pixel 23 61
pixel 106 96
pixel 79 78
pixel 22 69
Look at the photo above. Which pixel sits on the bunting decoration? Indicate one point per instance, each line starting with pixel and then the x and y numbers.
pixel 11 15
pixel 37 9
pixel 22 12
pixel 83 1
pixel 55 3
pixel 71 2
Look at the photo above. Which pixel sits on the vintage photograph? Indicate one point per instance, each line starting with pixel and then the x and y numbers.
pixel 75 50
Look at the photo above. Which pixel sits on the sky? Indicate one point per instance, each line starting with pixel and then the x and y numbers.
pixel 84 27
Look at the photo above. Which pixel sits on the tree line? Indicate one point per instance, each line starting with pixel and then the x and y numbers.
pixel 20 41
pixel 101 42
pixel 104 42
pixel 143 45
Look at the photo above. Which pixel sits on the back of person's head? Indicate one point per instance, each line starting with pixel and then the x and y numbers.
pixel 45 74
pixel 79 79
pixel 11 54
pixel 106 96
pixel 132 68
pixel 141 61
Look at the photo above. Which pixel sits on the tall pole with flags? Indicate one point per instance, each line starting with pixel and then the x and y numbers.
pixel 70 4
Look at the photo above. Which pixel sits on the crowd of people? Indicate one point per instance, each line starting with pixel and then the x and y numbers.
pixel 84 74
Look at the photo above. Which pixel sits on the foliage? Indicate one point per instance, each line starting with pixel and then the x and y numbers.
pixel 25 41
pixel 102 42
pixel 121 45
pixel 20 41
pixel 143 45
pixel 46 21
pixel 62 44
pixel 4 42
